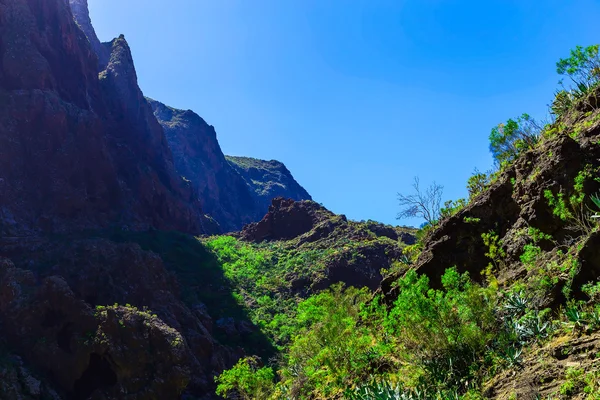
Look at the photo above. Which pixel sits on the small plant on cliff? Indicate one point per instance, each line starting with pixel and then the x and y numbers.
pixel 452 207
pixel 477 183
pixel 574 209
pixel 422 204
pixel 508 140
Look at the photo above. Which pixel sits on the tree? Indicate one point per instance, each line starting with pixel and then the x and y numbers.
pixel 508 140
pixel 426 205
pixel 582 67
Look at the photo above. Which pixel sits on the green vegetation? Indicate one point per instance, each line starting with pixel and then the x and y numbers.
pixel 574 208
pixel 441 339
pixel 583 70
pixel 478 183
pixel 510 139
pixel 246 379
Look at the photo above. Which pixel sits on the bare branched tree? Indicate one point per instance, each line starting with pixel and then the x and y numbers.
pixel 426 205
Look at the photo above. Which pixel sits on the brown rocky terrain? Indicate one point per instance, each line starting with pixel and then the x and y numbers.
pixel 361 250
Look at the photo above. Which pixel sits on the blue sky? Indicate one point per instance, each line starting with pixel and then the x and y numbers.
pixel 356 97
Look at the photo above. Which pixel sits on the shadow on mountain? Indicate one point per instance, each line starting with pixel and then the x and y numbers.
pixel 202 281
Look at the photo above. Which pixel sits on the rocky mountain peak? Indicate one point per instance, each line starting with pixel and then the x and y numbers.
pixel 82 18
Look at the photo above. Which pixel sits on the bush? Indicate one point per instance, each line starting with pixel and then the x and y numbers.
pixel 477 183
pixel 583 69
pixel 508 140
pixel 444 331
pixel 247 380
pixel 331 350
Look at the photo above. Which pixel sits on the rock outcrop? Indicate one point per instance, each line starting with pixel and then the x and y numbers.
pixel 105 321
pixel 360 250
pixel 268 180
pixel 286 220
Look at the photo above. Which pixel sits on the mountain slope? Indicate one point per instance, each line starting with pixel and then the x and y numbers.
pixel 233 190
pixel 198 157
pixel 78 151
pixel 267 180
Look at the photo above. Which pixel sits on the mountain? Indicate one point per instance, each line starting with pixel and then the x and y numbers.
pixel 232 193
pixel 267 180
pixel 116 281
pixel 79 146
pixel 154 314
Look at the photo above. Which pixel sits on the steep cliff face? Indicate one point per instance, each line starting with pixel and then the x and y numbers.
pixel 233 190
pixel 82 18
pixel 198 158
pixel 268 180
pixel 78 152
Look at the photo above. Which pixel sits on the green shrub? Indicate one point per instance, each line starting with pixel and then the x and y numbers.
pixel 247 380
pixel 510 139
pixel 452 207
pixel 445 331
pixel 582 67
pixel 331 350
pixel 477 183
pixel 573 209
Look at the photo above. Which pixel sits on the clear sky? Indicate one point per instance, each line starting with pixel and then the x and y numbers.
pixel 356 97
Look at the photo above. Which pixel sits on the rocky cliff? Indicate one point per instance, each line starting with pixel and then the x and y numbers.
pixel 268 180
pixel 79 146
pixel 128 311
pixel 233 190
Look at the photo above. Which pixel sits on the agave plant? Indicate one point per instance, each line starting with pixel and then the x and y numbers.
pixel 516 303
pixel 512 356
pixel 575 315
pixel 596 200
pixel 385 391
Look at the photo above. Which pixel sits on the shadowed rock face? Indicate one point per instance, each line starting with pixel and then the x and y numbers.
pixel 223 193
pixel 233 190
pixel 82 150
pixel 81 15
pixel 152 345
pixel 227 191
pixel 78 151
